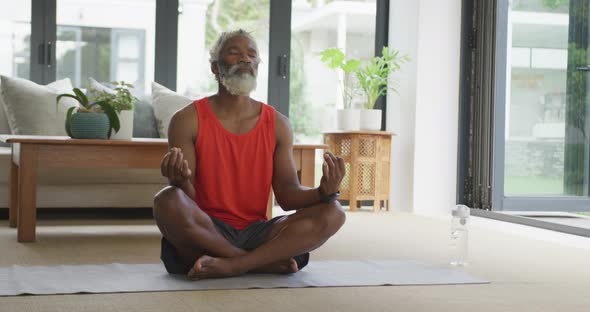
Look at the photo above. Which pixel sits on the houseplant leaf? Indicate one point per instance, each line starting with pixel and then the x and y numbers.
pixel 69 120
pixel 351 65
pixel 83 99
pixel 332 57
pixel 111 114
pixel 64 95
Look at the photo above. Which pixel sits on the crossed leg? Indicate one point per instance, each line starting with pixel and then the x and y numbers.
pixel 193 234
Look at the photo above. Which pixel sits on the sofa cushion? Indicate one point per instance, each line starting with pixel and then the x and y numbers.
pixel 31 109
pixel 165 103
pixel 145 124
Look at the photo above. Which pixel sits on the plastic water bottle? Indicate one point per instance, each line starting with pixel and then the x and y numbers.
pixel 459 235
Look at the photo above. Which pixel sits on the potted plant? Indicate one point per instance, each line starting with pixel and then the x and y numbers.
pixel 347 118
pixel 123 102
pixel 372 79
pixel 93 120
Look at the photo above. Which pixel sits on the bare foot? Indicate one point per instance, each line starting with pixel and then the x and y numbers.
pixel 279 267
pixel 210 267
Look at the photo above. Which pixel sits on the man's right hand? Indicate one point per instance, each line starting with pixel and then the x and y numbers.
pixel 175 167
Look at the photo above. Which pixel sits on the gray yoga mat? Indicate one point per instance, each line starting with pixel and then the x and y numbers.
pixel 110 278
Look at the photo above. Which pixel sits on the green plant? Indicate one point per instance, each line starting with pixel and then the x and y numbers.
pixel 86 106
pixel 334 58
pixel 121 100
pixel 372 77
pixel 301 112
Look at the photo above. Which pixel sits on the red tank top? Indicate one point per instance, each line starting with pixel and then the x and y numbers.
pixel 233 172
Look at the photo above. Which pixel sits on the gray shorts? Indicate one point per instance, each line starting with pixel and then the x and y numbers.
pixel 247 239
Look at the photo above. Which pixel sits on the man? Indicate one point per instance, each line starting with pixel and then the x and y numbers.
pixel 225 152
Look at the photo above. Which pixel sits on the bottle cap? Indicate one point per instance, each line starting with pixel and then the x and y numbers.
pixel 460 211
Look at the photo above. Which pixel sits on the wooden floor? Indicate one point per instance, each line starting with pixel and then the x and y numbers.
pixel 526 274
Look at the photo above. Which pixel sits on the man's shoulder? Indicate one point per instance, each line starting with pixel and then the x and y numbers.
pixel 283 130
pixel 186 118
pixel 188 112
pixel 281 120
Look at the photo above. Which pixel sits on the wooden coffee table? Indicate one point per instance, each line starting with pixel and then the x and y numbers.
pixel 31 152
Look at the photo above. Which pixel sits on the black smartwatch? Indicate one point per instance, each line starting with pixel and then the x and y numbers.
pixel 324 198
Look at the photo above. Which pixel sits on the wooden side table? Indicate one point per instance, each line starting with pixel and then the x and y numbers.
pixel 366 156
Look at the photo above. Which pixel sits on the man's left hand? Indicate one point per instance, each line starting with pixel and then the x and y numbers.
pixel 334 171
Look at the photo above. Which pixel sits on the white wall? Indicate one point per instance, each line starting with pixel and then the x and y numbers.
pixel 401 106
pixel 424 161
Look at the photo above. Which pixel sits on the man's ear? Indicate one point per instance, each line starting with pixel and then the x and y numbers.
pixel 215 68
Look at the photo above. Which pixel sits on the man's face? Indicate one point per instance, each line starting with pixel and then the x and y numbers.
pixel 238 65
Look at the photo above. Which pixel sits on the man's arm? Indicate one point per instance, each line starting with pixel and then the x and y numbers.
pixel 182 133
pixel 290 194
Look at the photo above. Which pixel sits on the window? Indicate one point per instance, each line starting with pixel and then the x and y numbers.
pixel 102 40
pixel 537 91
pixel 15 38
pixel 199 25
pixel 314 92
pixel 314 88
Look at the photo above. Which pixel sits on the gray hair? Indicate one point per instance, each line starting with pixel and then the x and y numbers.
pixel 215 51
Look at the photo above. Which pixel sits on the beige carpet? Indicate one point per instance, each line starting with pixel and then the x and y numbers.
pixel 526 275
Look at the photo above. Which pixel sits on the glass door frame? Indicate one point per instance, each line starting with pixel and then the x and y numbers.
pixel 43 35
pixel 501 202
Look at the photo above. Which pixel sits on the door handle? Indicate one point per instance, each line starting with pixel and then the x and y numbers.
pixel 583 68
pixel 49 54
pixel 283 66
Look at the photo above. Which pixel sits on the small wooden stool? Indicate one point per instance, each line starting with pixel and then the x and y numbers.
pixel 366 156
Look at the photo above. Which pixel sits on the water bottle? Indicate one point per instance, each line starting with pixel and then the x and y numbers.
pixel 459 235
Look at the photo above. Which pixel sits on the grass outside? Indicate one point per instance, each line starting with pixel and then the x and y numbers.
pixel 533 186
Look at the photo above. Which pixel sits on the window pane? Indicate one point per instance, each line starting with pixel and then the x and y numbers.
pixel 200 23
pixel 15 38
pixel 316 26
pixel 102 40
pixel 546 151
pixel 314 88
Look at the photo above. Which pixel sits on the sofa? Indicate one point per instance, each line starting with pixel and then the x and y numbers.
pixel 91 187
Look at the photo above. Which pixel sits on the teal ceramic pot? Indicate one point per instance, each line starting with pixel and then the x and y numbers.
pixel 89 126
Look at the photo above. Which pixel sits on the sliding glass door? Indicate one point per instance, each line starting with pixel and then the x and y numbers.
pixel 542 163
pixel 15 38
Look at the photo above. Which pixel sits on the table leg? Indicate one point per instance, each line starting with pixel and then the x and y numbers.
pixel 13 205
pixel 27 193
pixel 376 205
pixel 308 167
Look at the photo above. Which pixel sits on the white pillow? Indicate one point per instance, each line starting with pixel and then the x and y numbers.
pixel 165 103
pixel 31 109
pixel 98 87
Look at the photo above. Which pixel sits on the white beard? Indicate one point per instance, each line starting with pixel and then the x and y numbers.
pixel 237 83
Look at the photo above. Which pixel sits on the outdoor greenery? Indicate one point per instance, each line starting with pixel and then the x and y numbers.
pixel 300 110
pixel 224 15
pixel 576 138
pixel 533 185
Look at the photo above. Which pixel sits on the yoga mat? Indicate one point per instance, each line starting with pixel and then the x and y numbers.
pixel 111 278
